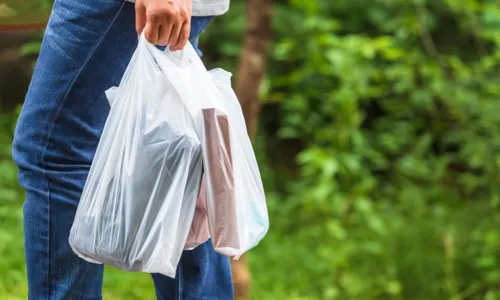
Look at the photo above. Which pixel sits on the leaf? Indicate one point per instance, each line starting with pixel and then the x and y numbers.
pixel 32 48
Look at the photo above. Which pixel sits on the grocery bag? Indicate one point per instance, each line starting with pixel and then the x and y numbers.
pixel 137 205
pixel 236 203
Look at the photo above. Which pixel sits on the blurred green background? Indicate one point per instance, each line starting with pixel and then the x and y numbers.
pixel 379 146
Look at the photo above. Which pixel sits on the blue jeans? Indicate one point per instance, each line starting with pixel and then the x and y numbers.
pixel 86 48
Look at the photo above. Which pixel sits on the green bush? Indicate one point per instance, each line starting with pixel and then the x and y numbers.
pixel 393 108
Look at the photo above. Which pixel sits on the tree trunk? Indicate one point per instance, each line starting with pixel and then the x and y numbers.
pixel 253 59
pixel 251 70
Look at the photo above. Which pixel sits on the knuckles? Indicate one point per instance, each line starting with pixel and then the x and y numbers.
pixel 184 14
pixel 162 13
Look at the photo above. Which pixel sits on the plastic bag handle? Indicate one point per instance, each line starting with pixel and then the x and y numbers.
pixel 179 55
pixel 181 58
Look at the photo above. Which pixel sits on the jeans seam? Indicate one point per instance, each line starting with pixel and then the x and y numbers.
pixel 178 285
pixel 47 248
pixel 49 233
pixel 63 101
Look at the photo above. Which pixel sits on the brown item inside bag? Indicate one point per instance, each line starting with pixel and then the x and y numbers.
pixel 199 233
pixel 220 180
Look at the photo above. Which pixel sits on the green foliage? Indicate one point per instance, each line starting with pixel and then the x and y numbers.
pixel 31 48
pixel 7 11
pixel 11 242
pixel 14 12
pixel 395 107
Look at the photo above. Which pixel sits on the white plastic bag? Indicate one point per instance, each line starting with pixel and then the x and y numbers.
pixel 237 211
pixel 139 200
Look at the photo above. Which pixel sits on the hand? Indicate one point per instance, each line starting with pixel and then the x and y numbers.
pixel 164 22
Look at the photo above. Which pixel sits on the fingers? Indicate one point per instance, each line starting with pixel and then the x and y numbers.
pixel 164 22
pixel 152 32
pixel 183 37
pixel 174 37
pixel 164 34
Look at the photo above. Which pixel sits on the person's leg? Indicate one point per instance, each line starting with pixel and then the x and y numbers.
pixel 86 48
pixel 202 273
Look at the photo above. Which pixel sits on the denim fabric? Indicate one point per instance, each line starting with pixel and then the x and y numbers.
pixel 86 48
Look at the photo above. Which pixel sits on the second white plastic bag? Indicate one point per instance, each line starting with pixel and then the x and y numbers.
pixel 236 202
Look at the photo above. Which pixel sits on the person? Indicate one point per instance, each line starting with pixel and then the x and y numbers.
pixel 85 50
